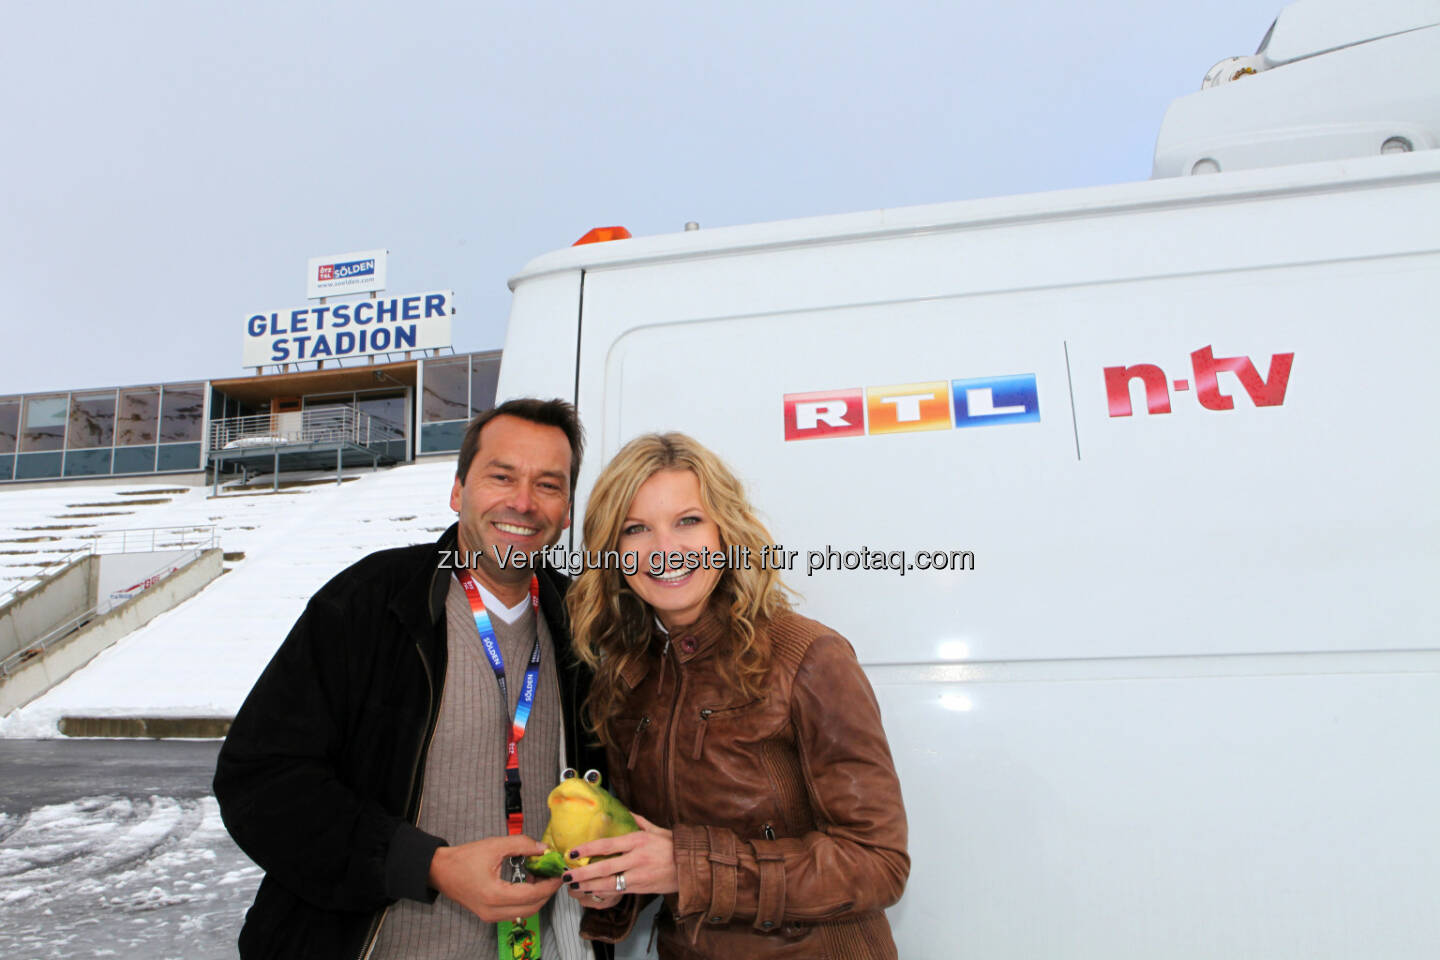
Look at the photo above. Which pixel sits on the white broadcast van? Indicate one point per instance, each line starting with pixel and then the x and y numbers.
pixel 1174 691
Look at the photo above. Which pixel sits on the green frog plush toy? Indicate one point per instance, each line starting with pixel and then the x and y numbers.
pixel 580 811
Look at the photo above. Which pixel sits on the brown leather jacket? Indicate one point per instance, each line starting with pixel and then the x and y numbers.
pixel 789 828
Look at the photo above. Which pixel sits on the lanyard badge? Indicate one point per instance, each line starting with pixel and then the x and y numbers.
pixel 515 941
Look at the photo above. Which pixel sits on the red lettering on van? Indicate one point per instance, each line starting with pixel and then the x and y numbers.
pixel 1117 388
pixel 1269 392
pixel 1266 392
pixel 825 413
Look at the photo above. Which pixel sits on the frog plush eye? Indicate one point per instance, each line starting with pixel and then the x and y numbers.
pixel 592 777
pixel 569 773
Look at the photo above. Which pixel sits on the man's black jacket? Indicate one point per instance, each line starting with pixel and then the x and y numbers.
pixel 320 776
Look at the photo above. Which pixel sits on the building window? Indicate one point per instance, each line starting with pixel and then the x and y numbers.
pixel 182 411
pixel 388 406
pixel 134 459
pixel 179 456
pixel 329 400
pixel 441 437
pixel 44 424
pixel 87 463
pixel 92 421
pixel 484 376
pixel 38 466
pixel 135 420
pixel 9 425
pixel 446 390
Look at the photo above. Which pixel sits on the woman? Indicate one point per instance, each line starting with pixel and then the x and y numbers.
pixel 744 736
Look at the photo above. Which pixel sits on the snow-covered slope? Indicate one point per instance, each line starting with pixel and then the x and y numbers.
pixel 40 526
pixel 202 657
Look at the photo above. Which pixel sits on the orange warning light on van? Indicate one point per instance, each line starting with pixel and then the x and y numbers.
pixel 601 234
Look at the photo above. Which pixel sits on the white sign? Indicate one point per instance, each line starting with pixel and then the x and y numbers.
pixel 358 272
pixel 420 321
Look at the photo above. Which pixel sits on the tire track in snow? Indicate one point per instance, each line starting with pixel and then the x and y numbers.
pixel 95 836
pixel 143 877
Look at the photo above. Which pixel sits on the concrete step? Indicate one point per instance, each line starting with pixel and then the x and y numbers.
pixel 155 728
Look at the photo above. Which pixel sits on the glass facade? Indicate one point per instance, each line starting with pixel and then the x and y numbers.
pixel 95 433
pixel 455 389
pixel 158 428
pixel 136 420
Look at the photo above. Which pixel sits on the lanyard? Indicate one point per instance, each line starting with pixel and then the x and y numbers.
pixel 514 940
pixel 514 814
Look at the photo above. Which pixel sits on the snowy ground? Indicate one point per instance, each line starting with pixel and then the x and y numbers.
pixel 119 876
pixel 115 848
pixel 202 657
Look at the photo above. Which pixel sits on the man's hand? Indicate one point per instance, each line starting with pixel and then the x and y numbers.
pixel 470 874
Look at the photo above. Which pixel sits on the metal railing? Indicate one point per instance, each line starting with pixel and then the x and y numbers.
pixel 142 540
pixel 38 647
pixel 152 539
pixel 193 540
pixel 317 425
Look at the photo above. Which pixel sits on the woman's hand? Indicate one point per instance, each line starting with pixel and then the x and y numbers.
pixel 646 858
pixel 595 901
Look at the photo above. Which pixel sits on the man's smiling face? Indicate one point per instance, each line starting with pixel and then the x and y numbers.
pixel 516 495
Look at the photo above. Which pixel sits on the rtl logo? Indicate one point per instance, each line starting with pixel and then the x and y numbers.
pixel 912 407
pixel 1267 392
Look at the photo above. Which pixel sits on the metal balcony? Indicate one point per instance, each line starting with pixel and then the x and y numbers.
pixel 313 439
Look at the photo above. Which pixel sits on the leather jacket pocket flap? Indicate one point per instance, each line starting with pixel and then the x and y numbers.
pixel 719 714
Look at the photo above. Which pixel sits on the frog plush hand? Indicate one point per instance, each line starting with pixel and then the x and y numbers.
pixel 580 811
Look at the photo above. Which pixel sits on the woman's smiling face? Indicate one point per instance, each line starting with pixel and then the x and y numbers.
pixel 666 517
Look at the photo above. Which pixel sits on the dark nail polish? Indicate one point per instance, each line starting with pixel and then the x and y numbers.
pixel 566 878
pixel 573 855
pixel 574 886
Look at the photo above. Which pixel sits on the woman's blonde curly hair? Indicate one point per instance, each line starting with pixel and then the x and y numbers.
pixel 610 626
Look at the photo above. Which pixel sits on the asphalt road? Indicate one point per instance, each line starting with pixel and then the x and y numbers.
pixel 38 772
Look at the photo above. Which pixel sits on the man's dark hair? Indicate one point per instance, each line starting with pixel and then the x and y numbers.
pixel 547 413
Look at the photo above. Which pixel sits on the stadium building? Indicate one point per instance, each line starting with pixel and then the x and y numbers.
pixel 325 395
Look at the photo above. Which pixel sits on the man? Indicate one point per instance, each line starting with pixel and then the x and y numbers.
pixel 366 771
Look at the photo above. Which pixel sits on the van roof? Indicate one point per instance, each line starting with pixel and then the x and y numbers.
pixel 1177 192
pixel 1312 27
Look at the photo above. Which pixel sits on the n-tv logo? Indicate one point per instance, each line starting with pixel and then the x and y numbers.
pixel 912 407
pixel 1268 391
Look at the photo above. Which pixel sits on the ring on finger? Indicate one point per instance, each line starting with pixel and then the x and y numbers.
pixel 620 882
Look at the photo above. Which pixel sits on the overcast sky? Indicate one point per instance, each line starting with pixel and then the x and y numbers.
pixel 168 168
